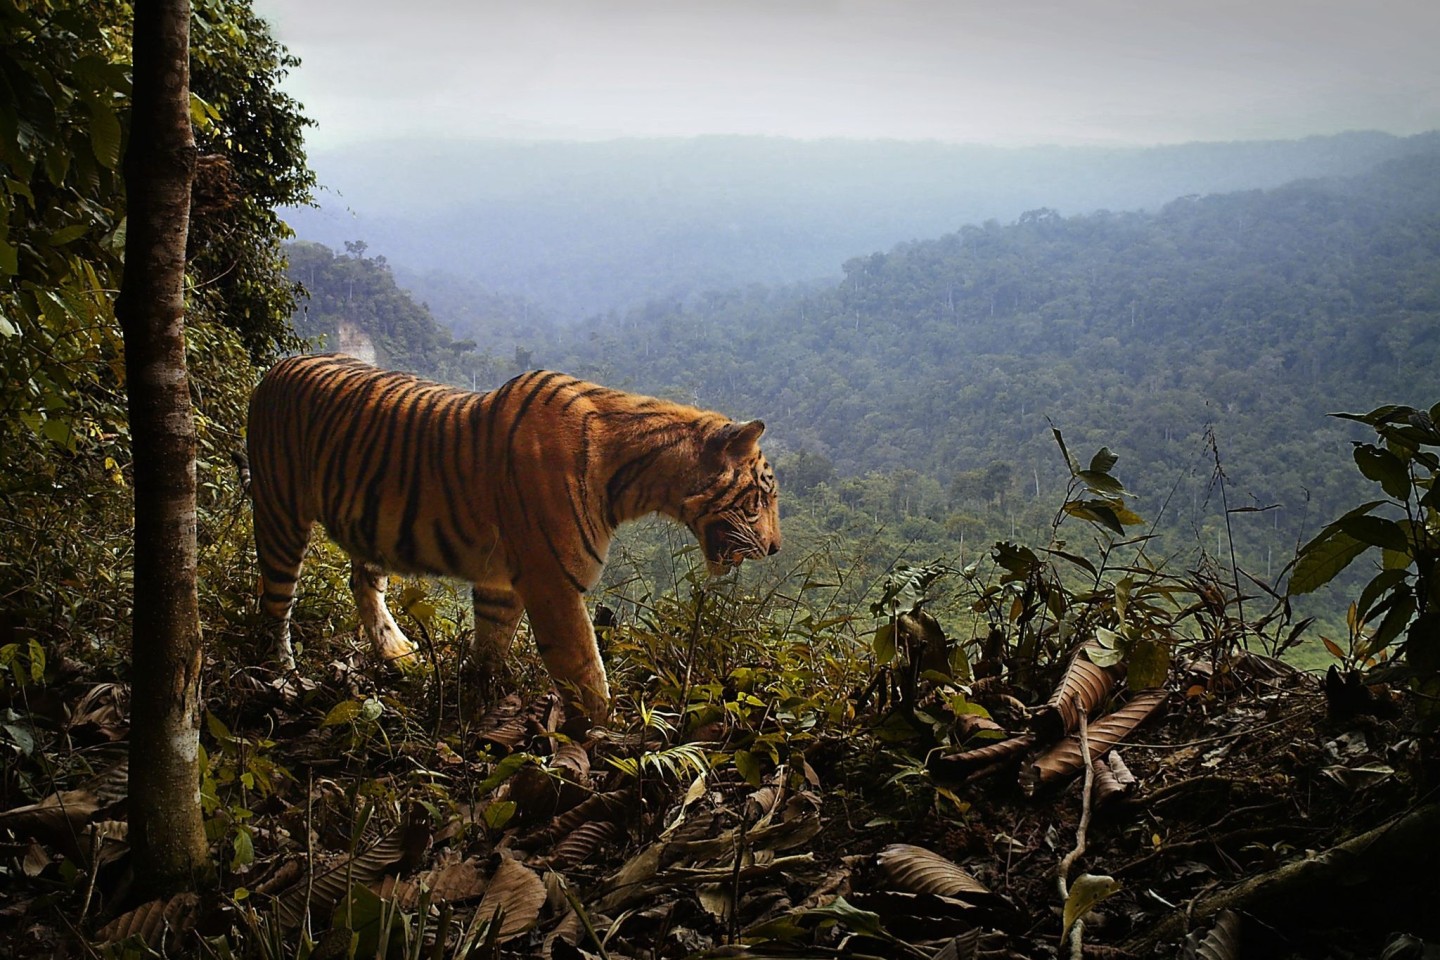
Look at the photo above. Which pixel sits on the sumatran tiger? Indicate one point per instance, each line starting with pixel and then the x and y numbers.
pixel 516 491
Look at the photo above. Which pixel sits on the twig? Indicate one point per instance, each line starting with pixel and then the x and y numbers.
pixel 1076 932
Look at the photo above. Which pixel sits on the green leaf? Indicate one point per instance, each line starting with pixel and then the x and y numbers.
pixel 1076 559
pixel 884 643
pixel 1104 658
pixel 1095 511
pixel 1376 532
pixel 1103 461
pixel 1101 483
pixel 217 728
pixel 343 712
pixel 503 771
pixel 1395 620
pixel 1384 468
pixel 1377 586
pixel 749 766
pixel 860 921
pixel 1087 890
pixel 499 813
pixel 1065 452
pixel 1319 563
pixel 244 847
pixel 67 234
pixel 104 133
pixel 1148 664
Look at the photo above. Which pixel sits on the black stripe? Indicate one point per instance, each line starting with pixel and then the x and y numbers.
pixel 495 598
pixel 588 392
pixel 377 462
pixel 565 382
pixel 445 454
pixel 498 621
pixel 585 541
pixel 560 561
pixel 631 471
pixel 493 412
pixel 420 430
pixel 275 575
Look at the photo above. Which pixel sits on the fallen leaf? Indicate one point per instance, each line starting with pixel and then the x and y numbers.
pixel 150 922
pixel 918 870
pixel 516 894
pixel 1087 890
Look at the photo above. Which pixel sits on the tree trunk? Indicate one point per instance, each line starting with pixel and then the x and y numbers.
pixel 166 829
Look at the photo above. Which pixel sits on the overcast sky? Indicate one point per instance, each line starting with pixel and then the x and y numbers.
pixel 1009 72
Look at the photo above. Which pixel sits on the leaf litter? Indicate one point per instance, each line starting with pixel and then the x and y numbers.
pixel 509 833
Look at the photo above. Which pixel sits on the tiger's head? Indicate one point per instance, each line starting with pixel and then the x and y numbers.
pixel 735 508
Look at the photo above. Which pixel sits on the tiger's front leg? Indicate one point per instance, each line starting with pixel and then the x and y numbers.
pixel 566 642
pixel 368 584
pixel 497 614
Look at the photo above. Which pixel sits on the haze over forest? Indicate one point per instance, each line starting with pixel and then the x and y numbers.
pixel 583 228
pixel 911 387
pixel 909 238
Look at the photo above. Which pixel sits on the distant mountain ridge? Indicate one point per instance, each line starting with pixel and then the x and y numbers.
pixel 583 228
pixel 919 391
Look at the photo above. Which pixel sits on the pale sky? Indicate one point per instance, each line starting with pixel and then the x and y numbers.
pixel 1008 72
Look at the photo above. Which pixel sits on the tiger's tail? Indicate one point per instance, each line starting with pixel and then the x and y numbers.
pixel 242 465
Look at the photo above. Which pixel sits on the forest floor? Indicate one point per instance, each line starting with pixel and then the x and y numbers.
pixel 357 818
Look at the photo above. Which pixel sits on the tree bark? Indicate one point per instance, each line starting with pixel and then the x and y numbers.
pixel 166 828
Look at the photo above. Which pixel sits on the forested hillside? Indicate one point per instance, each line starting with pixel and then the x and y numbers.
pixel 920 391
pixel 582 228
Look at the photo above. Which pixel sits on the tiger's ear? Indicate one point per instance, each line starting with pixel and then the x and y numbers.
pixel 736 440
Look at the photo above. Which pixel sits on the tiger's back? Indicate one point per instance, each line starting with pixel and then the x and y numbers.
pixel 516 491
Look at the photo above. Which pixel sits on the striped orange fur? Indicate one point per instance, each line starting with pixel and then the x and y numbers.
pixel 516 491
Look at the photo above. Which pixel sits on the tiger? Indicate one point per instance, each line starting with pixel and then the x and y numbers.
pixel 517 491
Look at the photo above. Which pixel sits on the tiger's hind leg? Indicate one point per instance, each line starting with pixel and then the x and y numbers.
pixel 280 543
pixel 368 584
pixel 497 614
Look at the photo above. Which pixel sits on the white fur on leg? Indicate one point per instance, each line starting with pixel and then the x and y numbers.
pixel 391 644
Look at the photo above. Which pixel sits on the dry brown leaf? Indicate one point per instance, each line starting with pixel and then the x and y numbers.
pixel 506 723
pixel 1064 759
pixel 150 922
pixel 1083 681
pixel 452 883
pixel 35 861
pixel 1223 940
pixel 917 870
pixel 58 819
pixel 1120 770
pixel 610 807
pixel 964 947
pixel 959 764
pixel 572 761
pixel 102 707
pixel 517 893
pixel 581 843
pixel 1107 788
pixel 396 853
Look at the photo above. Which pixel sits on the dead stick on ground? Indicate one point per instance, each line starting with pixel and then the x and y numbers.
pixel 1402 851
pixel 1076 933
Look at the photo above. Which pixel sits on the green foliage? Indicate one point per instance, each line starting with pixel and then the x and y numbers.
pixel 250 136
pixel 64 427
pixel 352 297
pixel 1398 611
pixel 234 778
